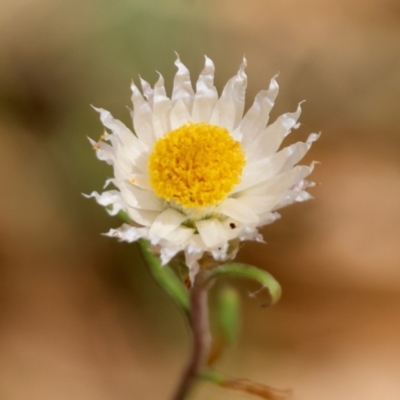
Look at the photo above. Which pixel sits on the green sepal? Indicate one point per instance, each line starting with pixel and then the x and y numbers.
pixel 228 314
pixel 166 277
pixel 251 272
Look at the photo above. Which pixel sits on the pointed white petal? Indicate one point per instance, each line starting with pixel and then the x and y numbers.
pixel 180 235
pixel 179 115
pixel 298 150
pixel 147 91
pixel 239 92
pixel 224 113
pixel 139 198
pixel 229 108
pixel 168 252
pixel 161 109
pixel 127 233
pixel 140 180
pixel 279 183
pixel 142 217
pixel 206 94
pixel 142 117
pixel 193 253
pixel 234 208
pixel 262 169
pixel 269 218
pixel 108 182
pixel 212 232
pixel 260 204
pixel 232 228
pixel 182 89
pixel 257 116
pixel 104 151
pixel 126 145
pixel 268 141
pixel 110 198
pixel 166 222
pixel 251 233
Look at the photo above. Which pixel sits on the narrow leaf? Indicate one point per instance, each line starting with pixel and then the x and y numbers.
pixel 228 310
pixel 166 277
pixel 251 272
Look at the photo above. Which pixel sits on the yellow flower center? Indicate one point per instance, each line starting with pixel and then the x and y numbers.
pixel 196 165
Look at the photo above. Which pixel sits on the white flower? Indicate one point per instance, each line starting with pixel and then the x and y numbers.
pixel 197 176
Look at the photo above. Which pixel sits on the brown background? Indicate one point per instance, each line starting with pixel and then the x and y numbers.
pixel 80 318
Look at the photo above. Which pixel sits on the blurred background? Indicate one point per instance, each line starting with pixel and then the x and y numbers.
pixel 80 317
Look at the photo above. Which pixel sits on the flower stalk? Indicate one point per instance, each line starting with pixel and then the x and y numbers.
pixel 201 336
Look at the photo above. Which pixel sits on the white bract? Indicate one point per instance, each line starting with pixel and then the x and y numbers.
pixel 197 176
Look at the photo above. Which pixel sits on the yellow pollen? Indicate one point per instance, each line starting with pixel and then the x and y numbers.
pixel 196 165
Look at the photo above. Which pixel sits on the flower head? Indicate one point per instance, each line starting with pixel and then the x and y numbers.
pixel 196 176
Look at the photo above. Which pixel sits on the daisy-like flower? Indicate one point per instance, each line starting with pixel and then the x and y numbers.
pixel 197 176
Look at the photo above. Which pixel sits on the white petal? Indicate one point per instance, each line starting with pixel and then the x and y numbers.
pixel 192 255
pixel 251 233
pixel 257 116
pixel 239 92
pixel 161 109
pixel 260 204
pixel 147 91
pixel 180 235
pixel 224 113
pixel 123 166
pixel 232 228
pixel 166 222
pixel 127 233
pixel 118 128
pixel 263 169
pixel 167 253
pixel 298 150
pixel 196 244
pixel 268 142
pixel 142 217
pixel 104 151
pixel 179 115
pixel 110 198
pixel 140 180
pixel 142 117
pixel 279 183
pixel 229 108
pixel 182 89
pixel 126 145
pixel 235 209
pixel 269 218
pixel 108 182
pixel 206 94
pixel 139 198
pixel 212 232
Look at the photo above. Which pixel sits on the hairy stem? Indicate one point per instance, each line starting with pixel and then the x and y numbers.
pixel 201 337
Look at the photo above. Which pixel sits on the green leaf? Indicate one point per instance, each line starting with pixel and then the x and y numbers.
pixel 228 314
pixel 251 272
pixel 166 277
